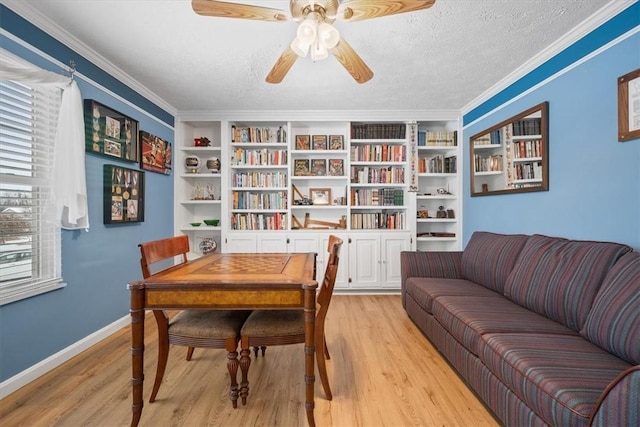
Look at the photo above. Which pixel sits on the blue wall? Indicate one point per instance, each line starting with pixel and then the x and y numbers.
pixel 594 180
pixel 96 265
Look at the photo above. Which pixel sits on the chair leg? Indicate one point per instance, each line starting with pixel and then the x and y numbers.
pixel 256 348
pixel 190 353
pixel 321 346
pixel 163 352
pixel 326 351
pixel 245 362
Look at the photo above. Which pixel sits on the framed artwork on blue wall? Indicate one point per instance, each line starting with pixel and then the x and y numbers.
pixel 155 155
pixel 123 195
pixel 110 133
pixel 629 106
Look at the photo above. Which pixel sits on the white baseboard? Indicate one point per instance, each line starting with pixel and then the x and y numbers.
pixel 25 377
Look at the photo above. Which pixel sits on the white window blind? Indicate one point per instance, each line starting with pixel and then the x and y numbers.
pixel 29 237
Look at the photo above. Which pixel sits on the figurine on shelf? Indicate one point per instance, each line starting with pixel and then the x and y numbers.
pixel 203 141
pixel 198 192
pixel 213 164
pixel 210 194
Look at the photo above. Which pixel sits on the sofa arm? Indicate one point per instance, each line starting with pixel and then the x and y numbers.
pixel 618 404
pixel 446 265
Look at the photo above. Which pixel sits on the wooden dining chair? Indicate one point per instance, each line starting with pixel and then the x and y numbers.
pixel 191 328
pixel 271 327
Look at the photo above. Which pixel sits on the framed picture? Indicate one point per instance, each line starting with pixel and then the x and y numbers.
pixel 629 106
pixel 123 195
pixel 320 196
pixel 301 167
pixel 336 167
pixel 336 142
pixel 319 142
pixel 110 133
pixel 303 142
pixel 318 167
pixel 155 155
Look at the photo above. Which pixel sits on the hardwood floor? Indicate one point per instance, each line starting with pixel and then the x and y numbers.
pixel 383 372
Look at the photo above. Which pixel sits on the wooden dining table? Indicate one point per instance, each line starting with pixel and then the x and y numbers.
pixel 246 281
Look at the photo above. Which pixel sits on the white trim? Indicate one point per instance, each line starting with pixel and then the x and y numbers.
pixel 606 13
pixel 34 372
pixel 556 75
pixel 20 290
pixel 79 75
pixel 320 115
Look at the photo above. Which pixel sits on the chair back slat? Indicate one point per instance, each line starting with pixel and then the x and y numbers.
pixel 329 280
pixel 160 250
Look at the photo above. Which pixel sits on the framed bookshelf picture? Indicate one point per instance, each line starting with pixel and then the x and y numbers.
pixel 319 167
pixel 336 167
pixel 155 154
pixel 336 142
pixel 301 167
pixel 110 133
pixel 303 142
pixel 320 196
pixel 123 195
pixel 319 142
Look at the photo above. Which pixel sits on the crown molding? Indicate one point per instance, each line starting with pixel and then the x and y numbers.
pixel 41 21
pixel 613 8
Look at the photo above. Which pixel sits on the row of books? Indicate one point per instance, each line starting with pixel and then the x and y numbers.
pixel 492 138
pixel 531 126
pixel 261 200
pixel 438 164
pixel 378 131
pixel 427 138
pixel 528 170
pixel 255 221
pixel 371 175
pixel 254 134
pixel 378 153
pixel 262 157
pixel 377 197
pixel 488 163
pixel 378 220
pixel 528 148
pixel 259 179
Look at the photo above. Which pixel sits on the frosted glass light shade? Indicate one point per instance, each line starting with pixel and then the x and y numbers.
pixel 307 31
pixel 300 49
pixel 319 52
pixel 328 36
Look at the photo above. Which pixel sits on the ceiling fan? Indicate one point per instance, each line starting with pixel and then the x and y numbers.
pixel 315 35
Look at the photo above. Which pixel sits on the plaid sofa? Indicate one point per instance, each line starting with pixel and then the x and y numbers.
pixel 545 330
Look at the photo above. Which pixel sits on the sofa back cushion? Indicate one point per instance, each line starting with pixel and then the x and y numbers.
pixel 488 258
pixel 614 320
pixel 559 278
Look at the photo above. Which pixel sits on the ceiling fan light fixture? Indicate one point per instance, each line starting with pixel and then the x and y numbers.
pixel 319 52
pixel 328 36
pixel 300 49
pixel 307 31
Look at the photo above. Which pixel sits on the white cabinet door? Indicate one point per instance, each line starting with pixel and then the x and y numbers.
pixel 364 261
pixel 303 242
pixel 342 277
pixel 272 243
pixel 392 245
pixel 241 243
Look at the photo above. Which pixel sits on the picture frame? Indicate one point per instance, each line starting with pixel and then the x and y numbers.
pixel 155 154
pixel 629 106
pixel 319 167
pixel 110 133
pixel 320 196
pixel 319 142
pixel 303 142
pixel 336 167
pixel 301 167
pixel 123 195
pixel 336 142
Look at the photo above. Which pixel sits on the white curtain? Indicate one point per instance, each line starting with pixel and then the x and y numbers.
pixel 69 195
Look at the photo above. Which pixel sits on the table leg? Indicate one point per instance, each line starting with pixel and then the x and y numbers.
pixel 245 362
pixel 309 349
pixel 137 351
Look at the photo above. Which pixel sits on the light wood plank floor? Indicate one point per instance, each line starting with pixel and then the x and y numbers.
pixel 383 372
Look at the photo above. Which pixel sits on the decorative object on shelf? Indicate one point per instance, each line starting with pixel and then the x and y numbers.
pixel 422 213
pixel 320 196
pixel 155 154
pixel 301 167
pixel 336 167
pixel 336 142
pixel 123 200
pixel 213 164
pixel 319 167
pixel 208 245
pixel 195 224
pixel 319 142
pixel 203 141
pixel 317 224
pixel 109 132
pixel 212 222
pixel 303 142
pixel 629 106
pixel 441 213
pixel 192 163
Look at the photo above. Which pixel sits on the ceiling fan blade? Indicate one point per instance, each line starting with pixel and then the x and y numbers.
pixel 352 62
pixel 234 10
pixel 282 66
pixel 358 10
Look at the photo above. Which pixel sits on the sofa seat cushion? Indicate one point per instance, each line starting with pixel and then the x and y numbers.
pixel 559 278
pixel 425 289
pixel 468 318
pixel 560 377
pixel 614 320
pixel 488 258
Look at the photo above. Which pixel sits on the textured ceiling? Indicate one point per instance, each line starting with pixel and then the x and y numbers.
pixel 436 59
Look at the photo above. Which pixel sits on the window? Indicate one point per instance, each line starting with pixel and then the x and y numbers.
pixel 29 237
